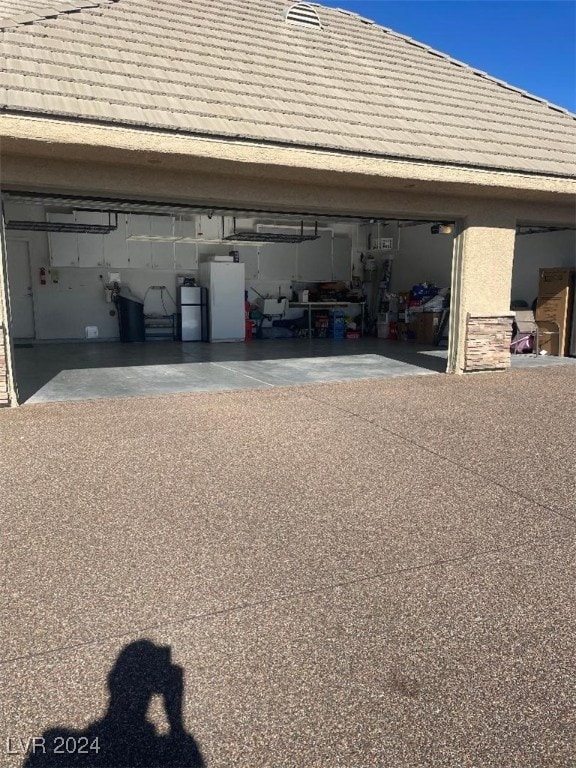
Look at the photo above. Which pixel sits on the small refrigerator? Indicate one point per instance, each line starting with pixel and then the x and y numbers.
pixel 193 311
pixel 225 283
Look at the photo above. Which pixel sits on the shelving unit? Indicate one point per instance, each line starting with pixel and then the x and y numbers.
pixel 161 327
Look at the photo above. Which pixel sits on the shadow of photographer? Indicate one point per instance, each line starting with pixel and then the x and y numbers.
pixel 124 737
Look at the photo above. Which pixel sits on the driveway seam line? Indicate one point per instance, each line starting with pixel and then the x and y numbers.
pixel 277 599
pixel 455 463
pixel 241 373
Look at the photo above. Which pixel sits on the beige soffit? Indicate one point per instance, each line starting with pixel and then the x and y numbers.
pixel 239 71
pixel 90 142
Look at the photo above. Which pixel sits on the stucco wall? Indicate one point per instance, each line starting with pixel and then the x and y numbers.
pixel 77 142
pixel 269 191
pixel 481 279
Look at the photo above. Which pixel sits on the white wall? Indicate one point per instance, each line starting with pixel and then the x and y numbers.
pixel 546 249
pixel 423 258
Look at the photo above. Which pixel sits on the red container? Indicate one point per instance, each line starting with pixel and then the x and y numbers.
pixel 248 330
pixel 393 331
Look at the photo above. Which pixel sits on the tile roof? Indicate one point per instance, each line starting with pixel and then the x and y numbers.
pixel 233 69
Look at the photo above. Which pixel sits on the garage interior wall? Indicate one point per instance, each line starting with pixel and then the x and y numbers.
pixel 423 258
pixel 430 259
pixel 541 249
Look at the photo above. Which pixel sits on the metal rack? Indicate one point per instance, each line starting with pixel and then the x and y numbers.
pixel 159 327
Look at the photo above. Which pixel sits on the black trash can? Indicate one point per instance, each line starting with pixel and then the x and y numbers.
pixel 130 317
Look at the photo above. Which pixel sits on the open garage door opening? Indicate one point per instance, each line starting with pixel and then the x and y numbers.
pixel 543 295
pixel 119 297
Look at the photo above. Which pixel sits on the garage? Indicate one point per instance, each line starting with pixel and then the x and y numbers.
pixel 384 207
pixel 543 295
pixel 111 297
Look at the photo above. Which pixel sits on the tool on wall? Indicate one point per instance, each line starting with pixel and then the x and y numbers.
pixel 43 272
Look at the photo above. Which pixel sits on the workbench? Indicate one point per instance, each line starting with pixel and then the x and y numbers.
pixel 310 305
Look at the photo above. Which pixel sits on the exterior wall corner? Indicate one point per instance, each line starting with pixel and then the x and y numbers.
pixel 8 395
pixel 480 319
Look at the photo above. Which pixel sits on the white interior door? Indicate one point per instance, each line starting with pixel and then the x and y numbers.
pixel 20 283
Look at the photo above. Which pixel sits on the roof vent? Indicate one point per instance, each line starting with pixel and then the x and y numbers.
pixel 302 14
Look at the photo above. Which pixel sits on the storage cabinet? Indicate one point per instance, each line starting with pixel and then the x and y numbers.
pixel 167 243
pixel 84 249
pixel 63 246
pixel 277 261
pixel 162 256
pixel 148 253
pixel 91 247
pixel 209 227
pixel 315 259
pixel 184 227
pixel 186 257
pixel 139 252
pixel 249 256
pixel 342 258
pixel 309 261
pixel 115 248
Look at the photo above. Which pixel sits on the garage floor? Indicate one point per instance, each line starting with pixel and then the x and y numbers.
pixel 49 372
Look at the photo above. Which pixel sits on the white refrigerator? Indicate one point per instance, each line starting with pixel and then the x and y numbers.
pixel 225 283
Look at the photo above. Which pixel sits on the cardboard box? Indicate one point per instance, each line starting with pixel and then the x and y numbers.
pixel 548 341
pixel 401 331
pixel 426 326
pixel 554 281
pixel 555 303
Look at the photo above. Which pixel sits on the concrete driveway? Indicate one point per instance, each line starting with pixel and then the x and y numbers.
pixel 374 573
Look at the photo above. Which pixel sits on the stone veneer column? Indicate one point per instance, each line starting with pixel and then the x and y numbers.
pixel 480 317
